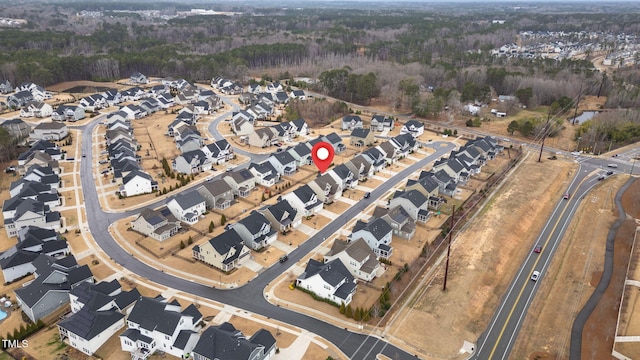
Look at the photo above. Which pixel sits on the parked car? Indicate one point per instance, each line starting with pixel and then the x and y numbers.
pixel 612 165
pixel 10 169
pixel 103 161
pixel 610 172
pixel 535 275
pixel 537 249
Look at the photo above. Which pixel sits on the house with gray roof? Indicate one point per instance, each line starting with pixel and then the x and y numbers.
pixel 218 194
pixel 49 291
pixel 49 131
pixel 5 87
pixel 282 216
pixel 391 153
pixel 343 175
pixel 304 200
pixel 361 137
pixel 19 99
pixel 138 78
pixel 284 163
pixel 219 152
pixel 351 122
pixel 191 162
pixel 414 203
pixel 300 127
pixel 256 230
pixel 154 324
pixel 284 131
pixel 97 315
pixel 381 123
pixel 137 182
pixel 361 167
pixel 29 212
pixel 68 113
pixel 241 181
pixel 226 342
pixel 37 109
pixel 457 170
pixel 40 159
pixel 17 261
pixel 265 173
pixel 376 233
pixel 187 207
pixel 399 220
pixel 331 281
pixel 158 224
pixel 16 127
pixel 429 187
pixel 263 137
pixel 413 127
pixel 226 251
pixel 301 153
pixel 357 257
pixel 336 141
pixel 326 188
pixel 47 175
pixel 376 158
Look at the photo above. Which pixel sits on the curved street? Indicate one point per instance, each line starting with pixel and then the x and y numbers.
pixel 250 296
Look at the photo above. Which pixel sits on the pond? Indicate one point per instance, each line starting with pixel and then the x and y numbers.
pixel 587 115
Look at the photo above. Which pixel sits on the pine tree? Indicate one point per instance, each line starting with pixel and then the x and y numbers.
pixel 211 226
pixel 342 308
pixel 190 240
pixel 348 312
pixel 182 245
pixel 357 314
pixel 223 220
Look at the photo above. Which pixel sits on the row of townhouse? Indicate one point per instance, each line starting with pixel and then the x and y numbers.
pixel 124 161
pixel 357 257
pixel 101 311
pixel 35 195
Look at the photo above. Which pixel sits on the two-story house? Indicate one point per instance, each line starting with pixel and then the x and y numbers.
pixel 157 224
pixel 218 194
pixel 414 203
pixel 282 216
pixel 304 200
pixel 256 231
pixel 226 251
pixel 265 173
pixel 225 342
pixel 357 257
pixel 413 127
pixel 284 163
pixel 376 233
pixel 326 188
pixel 187 207
pixel 242 182
pixel 331 281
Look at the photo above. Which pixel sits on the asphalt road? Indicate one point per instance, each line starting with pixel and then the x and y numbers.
pixel 250 296
pixel 498 339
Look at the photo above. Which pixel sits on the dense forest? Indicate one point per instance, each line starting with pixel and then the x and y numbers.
pixel 392 54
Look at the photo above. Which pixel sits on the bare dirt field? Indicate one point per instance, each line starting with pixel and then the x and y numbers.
pixel 88 84
pixel 506 230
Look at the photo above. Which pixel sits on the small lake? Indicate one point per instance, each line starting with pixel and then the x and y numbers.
pixel 587 115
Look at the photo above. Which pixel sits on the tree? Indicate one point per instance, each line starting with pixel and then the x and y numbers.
pixel 189 240
pixel 223 220
pixel 342 308
pixel 513 127
pixel 211 226
pixel 357 314
pixel 524 95
pixel 526 128
pixel 182 245
pixel 348 312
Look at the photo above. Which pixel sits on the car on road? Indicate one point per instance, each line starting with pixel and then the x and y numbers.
pixel 537 249
pixel 566 196
pixel 535 275
pixel 610 172
pixel 366 195
pixel 575 153
pixel 284 258
pixel 230 168
pixel 601 177
pixel 612 165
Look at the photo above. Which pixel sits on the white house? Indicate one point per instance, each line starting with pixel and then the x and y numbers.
pixel 331 281
pixel 304 200
pixel 357 257
pixel 36 109
pixel 49 131
pixel 137 182
pixel 377 234
pixel 188 207
pixel 413 127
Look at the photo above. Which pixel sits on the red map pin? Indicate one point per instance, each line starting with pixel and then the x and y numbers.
pixel 322 155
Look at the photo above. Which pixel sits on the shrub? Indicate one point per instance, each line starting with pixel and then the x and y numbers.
pixel 189 241
pixel 182 245
pixel 211 226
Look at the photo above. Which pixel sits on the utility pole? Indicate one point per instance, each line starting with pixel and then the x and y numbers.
pixel 575 114
pixel 544 134
pixel 446 266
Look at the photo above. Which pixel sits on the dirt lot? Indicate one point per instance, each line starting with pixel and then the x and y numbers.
pixel 506 231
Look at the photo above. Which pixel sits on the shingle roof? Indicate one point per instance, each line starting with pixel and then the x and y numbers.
pixel 360 133
pixel 189 199
pixel 224 342
pixel 151 314
pixel 216 187
pixel 87 324
pixel 225 241
pixel 254 222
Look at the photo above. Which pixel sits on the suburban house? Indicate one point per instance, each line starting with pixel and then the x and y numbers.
pixel 137 182
pixel 255 231
pixel 361 137
pixel 429 187
pixel 265 174
pixel 97 315
pixel 16 264
pixel 361 167
pixel 225 251
pixel 49 291
pixel 241 181
pixel 405 143
pixel 381 123
pixel 38 92
pixel 154 324
pixel 298 94
pixel 36 109
pixel 68 113
pixel 29 212
pixel 225 342
pixel 331 281
pixel 326 188
pixel 112 97
pixel 187 207
pixel 41 161
pixel 376 233
pixel 391 153
pixel 344 176
pixel 191 162
pixel 93 102
pixel 138 78
pixel 357 257
pixel 5 87
pixel 375 157
pixel 301 153
pixel 284 163
pixel 284 131
pixel 414 203
pixel 44 174
pixel 304 200
pixel 399 220
pixel 242 126
pixel 49 131
pixel 336 141
pixel 218 194
pixel 19 99
pixel 413 127
pixel 300 126
pixel 157 224
pixel 454 168
pixel 219 152
pixel 16 127
pixel 350 122
pixel 263 137
pixel 282 216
